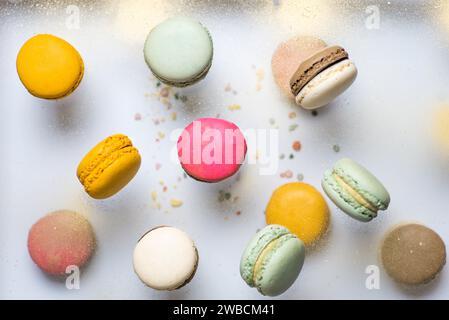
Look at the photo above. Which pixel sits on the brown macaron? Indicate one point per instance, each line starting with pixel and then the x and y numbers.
pixel 413 254
pixel 312 66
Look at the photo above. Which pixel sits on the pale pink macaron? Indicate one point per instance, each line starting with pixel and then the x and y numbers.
pixel 211 149
pixel 59 240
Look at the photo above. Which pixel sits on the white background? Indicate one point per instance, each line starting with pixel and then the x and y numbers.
pixel 383 121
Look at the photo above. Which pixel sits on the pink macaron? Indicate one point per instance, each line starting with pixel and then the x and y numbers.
pixel 61 239
pixel 211 149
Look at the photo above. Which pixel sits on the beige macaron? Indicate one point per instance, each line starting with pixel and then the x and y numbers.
pixel 165 258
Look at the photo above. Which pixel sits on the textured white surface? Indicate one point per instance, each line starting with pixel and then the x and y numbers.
pixel 383 121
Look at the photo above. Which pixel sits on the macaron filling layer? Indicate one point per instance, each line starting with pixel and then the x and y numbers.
pixel 327 85
pixel 371 198
pixel 316 64
pixel 264 258
pixel 249 259
pixel 362 212
pixel 356 195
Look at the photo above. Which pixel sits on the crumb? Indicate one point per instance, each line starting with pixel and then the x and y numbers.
pixel 153 195
pixel 282 156
pixel 237 213
pixel 292 115
pixel 173 116
pixel 176 96
pixel 272 121
pixel 164 189
pixel 260 74
pixel 287 174
pixel 158 166
pixel 147 95
pixel 258 87
pixel 161 182
pixel 175 203
pixel 234 92
pixel 292 127
pixel 300 177
pixel 184 175
pixel 228 87
pixel 234 107
pixel 156 122
pixel 158 84
pixel 164 92
pixel 296 145
pixel 336 148
pixel 314 113
pixel 291 156
pixel 226 218
pixel 235 199
pixel 161 135
pixel 137 117
pixel 184 98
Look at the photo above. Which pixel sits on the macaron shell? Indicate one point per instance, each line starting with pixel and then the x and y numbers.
pixel 344 201
pixel 179 51
pixel 114 175
pixel 255 247
pixel 109 166
pixel 312 66
pixel 363 181
pixel 281 267
pixel 197 144
pixel 49 67
pixel 301 209
pixel 289 55
pixel 61 239
pixel 165 258
pixel 413 254
pixel 327 85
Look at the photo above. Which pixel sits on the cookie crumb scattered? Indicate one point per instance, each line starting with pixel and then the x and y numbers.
pixel 296 145
pixel 336 148
pixel 164 92
pixel 175 203
pixel 137 117
pixel 300 177
pixel 314 113
pixel 292 115
pixel 234 107
pixel 287 174
pixel 292 127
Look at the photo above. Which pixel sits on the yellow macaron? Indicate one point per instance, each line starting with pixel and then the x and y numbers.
pixel 49 67
pixel 109 166
pixel 300 208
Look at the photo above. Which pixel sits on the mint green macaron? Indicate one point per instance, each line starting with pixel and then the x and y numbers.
pixel 179 51
pixel 355 190
pixel 272 260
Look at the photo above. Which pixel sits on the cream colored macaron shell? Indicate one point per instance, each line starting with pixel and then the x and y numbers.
pixel 165 258
pixel 327 85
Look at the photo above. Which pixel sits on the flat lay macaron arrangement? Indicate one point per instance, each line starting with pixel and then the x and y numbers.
pixel 179 53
